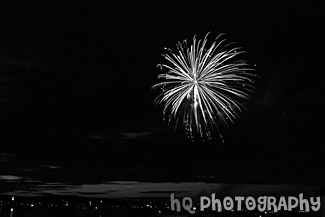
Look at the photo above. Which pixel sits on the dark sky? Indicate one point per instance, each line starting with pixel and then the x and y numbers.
pixel 76 78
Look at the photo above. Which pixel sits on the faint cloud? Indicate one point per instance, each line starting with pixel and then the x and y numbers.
pixel 10 178
pixel 6 157
pixel 96 137
pixel 51 167
pixel 136 135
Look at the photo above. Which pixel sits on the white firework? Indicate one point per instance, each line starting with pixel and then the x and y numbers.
pixel 202 88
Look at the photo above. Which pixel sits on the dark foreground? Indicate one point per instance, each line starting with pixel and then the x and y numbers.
pixel 96 207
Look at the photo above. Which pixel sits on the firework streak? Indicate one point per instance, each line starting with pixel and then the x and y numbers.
pixel 203 88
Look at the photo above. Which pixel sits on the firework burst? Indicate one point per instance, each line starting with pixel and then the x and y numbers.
pixel 204 87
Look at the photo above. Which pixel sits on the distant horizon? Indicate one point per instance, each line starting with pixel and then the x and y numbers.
pixel 135 189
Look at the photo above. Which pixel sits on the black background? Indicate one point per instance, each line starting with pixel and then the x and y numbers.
pixel 76 78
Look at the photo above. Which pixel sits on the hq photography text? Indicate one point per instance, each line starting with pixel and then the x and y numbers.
pixel 241 203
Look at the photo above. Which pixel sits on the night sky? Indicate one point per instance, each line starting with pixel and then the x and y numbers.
pixel 76 103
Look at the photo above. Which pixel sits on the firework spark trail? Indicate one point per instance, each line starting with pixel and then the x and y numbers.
pixel 205 86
